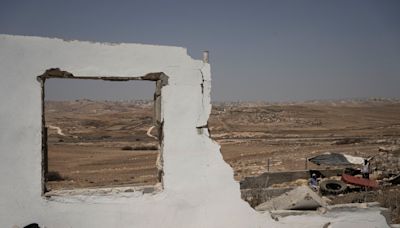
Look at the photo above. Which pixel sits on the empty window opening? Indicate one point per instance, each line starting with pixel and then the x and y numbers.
pixel 100 134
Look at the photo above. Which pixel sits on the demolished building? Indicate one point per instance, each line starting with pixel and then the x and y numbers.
pixel 198 188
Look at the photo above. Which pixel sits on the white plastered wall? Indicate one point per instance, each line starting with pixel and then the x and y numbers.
pixel 199 189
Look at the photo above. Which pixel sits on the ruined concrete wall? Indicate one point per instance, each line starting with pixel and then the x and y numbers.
pixel 199 190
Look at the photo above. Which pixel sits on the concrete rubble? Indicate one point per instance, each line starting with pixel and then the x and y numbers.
pixel 343 215
pixel 301 198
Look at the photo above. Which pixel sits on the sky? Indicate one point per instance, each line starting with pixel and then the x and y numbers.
pixel 270 50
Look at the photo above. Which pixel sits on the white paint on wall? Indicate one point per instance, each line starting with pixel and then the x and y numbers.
pixel 199 189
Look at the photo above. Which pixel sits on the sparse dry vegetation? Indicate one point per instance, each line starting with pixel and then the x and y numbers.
pixel 54 176
pixel 140 147
pixel 106 142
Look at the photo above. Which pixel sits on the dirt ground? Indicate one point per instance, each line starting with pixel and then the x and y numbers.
pixel 288 134
pixel 105 144
pixel 256 138
pixel 90 154
pixel 101 144
pixel 99 166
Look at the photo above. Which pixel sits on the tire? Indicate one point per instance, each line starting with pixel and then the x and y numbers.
pixel 332 187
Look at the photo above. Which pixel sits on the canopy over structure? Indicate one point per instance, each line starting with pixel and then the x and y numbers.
pixel 336 159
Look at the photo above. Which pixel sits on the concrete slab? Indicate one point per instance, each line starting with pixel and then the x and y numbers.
pixel 301 198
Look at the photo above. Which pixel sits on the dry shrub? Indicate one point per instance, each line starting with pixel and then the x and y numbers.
pixel 54 176
pixel 390 198
pixel 140 147
pixel 348 141
pixel 127 148
pixel 146 147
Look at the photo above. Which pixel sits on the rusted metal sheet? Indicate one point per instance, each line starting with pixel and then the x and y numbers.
pixel 359 181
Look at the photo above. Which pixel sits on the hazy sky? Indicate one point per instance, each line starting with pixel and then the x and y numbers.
pixel 259 50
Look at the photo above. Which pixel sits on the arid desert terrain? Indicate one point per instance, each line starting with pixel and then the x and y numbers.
pixel 107 143
pixel 100 144
pixel 289 133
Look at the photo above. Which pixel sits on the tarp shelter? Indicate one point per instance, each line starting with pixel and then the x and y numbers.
pixel 336 159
